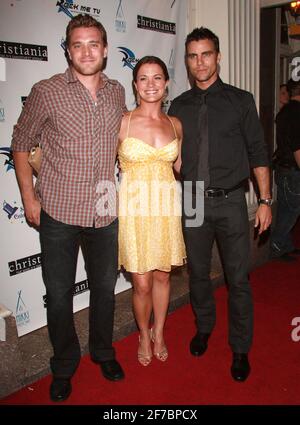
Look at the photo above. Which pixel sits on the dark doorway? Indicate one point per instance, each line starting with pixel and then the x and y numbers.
pixel 268 81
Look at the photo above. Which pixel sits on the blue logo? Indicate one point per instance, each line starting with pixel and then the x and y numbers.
pixel 9 161
pixel 129 58
pixel 63 7
pixel 9 209
pixel 22 314
pixel 14 212
pixel 120 23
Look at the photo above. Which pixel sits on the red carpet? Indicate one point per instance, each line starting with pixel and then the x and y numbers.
pixel 186 380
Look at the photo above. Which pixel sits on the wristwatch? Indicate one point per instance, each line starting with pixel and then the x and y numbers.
pixel 267 201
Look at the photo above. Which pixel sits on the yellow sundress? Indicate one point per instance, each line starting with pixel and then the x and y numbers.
pixel 150 233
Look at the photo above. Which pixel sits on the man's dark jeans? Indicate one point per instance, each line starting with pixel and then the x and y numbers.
pixel 60 244
pixel 288 211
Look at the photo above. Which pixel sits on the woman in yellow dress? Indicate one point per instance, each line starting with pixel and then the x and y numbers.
pixel 150 234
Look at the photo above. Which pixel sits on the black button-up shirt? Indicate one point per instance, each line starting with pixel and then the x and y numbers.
pixel 235 134
pixel 288 134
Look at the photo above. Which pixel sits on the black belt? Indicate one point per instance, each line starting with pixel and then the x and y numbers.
pixel 214 192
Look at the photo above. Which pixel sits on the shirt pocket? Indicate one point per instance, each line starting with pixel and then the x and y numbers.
pixel 113 116
pixel 235 130
pixel 70 123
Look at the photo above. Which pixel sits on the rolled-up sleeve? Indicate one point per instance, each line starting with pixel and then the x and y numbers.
pixel 253 134
pixel 28 129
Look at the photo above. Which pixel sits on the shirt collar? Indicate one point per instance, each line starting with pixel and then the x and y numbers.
pixel 71 78
pixel 215 87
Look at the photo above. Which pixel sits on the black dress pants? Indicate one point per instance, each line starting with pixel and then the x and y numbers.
pixel 226 220
pixel 60 245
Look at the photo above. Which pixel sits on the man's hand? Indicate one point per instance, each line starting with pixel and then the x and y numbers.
pixel 263 218
pixel 33 211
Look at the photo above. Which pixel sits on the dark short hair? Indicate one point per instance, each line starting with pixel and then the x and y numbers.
pixel 203 33
pixel 293 87
pixel 150 60
pixel 85 21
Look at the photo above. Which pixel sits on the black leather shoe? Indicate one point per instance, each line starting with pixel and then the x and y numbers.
pixel 240 367
pixel 112 370
pixel 198 344
pixel 60 389
pixel 286 258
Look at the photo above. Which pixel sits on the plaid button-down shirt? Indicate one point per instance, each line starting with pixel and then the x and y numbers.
pixel 76 183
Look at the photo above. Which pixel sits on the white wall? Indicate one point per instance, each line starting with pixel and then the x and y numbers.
pixel 213 14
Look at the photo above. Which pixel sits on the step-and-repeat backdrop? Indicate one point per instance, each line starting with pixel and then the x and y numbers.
pixel 32 35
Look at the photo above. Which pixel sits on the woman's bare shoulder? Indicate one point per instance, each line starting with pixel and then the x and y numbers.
pixel 126 115
pixel 124 124
pixel 177 125
pixel 175 120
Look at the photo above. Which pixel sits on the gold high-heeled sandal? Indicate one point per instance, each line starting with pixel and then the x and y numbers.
pixel 144 359
pixel 160 355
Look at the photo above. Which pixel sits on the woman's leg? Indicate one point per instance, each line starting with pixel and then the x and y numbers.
pixel 142 307
pixel 161 298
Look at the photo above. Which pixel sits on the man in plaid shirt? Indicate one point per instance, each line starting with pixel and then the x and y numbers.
pixel 76 117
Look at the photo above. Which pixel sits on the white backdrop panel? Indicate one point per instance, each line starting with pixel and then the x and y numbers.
pixel 43 23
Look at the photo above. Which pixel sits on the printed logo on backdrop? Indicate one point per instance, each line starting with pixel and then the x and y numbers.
pixel 171 69
pixel 151 24
pixel 120 23
pixel 23 100
pixel 2 70
pixel 24 264
pixel 22 313
pixel 63 44
pixel 166 105
pixel 12 50
pixel 70 8
pixel 13 213
pixel 129 58
pixel 2 112
pixel 8 158
pixel 79 288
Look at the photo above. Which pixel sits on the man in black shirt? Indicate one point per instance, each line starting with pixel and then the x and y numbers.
pixel 287 175
pixel 232 141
